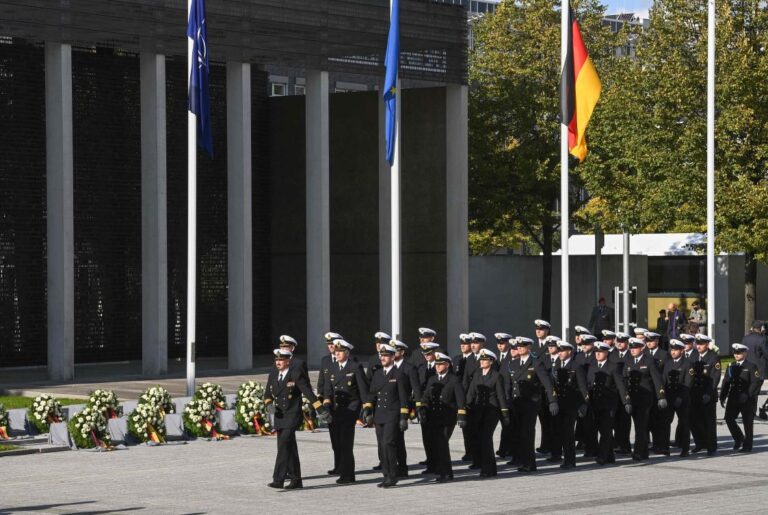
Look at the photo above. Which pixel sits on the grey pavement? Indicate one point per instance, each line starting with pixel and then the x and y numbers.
pixel 231 477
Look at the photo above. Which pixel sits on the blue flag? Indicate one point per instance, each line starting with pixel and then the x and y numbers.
pixel 391 63
pixel 199 100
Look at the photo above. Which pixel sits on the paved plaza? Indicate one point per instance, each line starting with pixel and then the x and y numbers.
pixel 231 477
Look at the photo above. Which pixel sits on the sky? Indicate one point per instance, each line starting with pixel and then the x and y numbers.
pixel 639 7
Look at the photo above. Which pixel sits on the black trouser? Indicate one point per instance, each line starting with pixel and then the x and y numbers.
pixel 565 422
pixel 545 419
pixel 332 431
pixel 441 432
pixel 603 418
pixel 402 455
pixel 344 421
pixel 622 424
pixel 703 418
pixel 658 424
pixel 427 439
pixel 641 410
pixel 524 417
pixel 747 412
pixel 683 431
pixel 387 435
pixel 468 435
pixel 472 436
pixel 588 435
pixel 487 419
pixel 505 442
pixel 287 465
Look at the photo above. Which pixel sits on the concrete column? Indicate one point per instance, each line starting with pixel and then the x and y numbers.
pixel 457 191
pixel 318 215
pixel 154 227
pixel 385 227
pixel 60 232
pixel 239 230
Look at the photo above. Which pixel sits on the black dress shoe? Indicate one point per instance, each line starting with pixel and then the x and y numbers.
pixel 466 457
pixel 589 454
pixel 526 470
pixel 711 453
pixel 664 453
pixel 294 484
pixel 684 454
pixel 276 484
pixel 423 462
pixel 426 472
pixel 380 485
pixel 600 461
pixel 567 466
pixel 486 476
pixel 442 479
pixel 333 472
pixel 580 446
pixel 745 450
pixel 623 451
pixel 637 457
pixel 345 480
pixel 474 466
pixel 736 446
pixel 542 450
pixel 696 449
pixel 377 467
pixel 555 459
pixel 388 484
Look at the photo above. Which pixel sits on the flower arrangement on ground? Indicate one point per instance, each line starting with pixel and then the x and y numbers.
pixel 310 417
pixel 250 410
pixel 3 423
pixel 105 402
pixel 45 411
pixel 147 423
pixel 160 397
pixel 200 414
pixel 213 394
pixel 88 429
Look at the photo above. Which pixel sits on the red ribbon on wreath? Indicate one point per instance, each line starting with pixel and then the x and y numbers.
pixel 4 433
pixel 208 425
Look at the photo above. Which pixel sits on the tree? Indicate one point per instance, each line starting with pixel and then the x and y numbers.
pixel 647 168
pixel 514 126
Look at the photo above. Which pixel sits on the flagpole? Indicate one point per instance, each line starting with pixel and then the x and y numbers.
pixel 395 216
pixel 191 225
pixel 711 257
pixel 564 269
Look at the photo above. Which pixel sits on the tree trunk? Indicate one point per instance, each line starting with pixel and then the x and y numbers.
pixel 546 277
pixel 750 282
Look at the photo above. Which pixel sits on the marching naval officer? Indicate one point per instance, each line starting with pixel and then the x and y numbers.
pixel 741 386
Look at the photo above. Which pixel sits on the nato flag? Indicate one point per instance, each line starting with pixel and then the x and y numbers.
pixel 391 62
pixel 199 100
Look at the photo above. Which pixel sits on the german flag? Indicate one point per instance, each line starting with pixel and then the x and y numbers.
pixel 579 90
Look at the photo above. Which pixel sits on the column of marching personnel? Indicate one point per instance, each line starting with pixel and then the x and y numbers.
pixel 586 395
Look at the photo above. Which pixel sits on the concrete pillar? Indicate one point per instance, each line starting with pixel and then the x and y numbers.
pixel 154 227
pixel 457 191
pixel 60 232
pixel 385 227
pixel 239 231
pixel 318 216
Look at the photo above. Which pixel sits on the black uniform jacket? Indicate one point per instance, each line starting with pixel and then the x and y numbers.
pixel 347 388
pixel 569 390
pixel 741 382
pixel 286 396
pixel 487 390
pixel 444 399
pixel 643 378
pixel 526 381
pixel 705 370
pixel 677 378
pixel 388 394
pixel 605 385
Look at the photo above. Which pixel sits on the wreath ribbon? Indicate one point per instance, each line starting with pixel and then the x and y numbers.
pixel 208 425
pixel 4 433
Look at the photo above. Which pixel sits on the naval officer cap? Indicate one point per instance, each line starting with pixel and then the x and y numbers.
pixel 340 344
pixel 602 347
pixel 477 337
pixel 486 354
pixel 288 340
pixel 588 339
pixel 552 341
pixel 465 338
pixel 640 330
pixel 524 341
pixel 564 345
pixel 636 343
pixel 282 354
pixel 702 338
pixel 442 358
pixel 386 349
pixel 382 337
pixel 503 336
pixel 739 348
pixel 652 336
pixel 542 324
pixel 622 337
pixel 398 345
pixel 330 336
pixel 581 330
pixel 674 343
pixel 428 347
pixel 607 333
pixel 426 332
pixel 687 338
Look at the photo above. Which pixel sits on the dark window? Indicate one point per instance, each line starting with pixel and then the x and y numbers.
pixel 677 274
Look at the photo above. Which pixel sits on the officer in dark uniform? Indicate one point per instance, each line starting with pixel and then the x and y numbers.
pixel 413 389
pixel 374 363
pixel 322 379
pixel 445 403
pixel 282 395
pixel 741 386
pixel 487 401
pixel 572 402
pixel 542 329
pixel 460 360
pixel 605 385
pixel 677 385
pixel 609 338
pixel 426 335
pixel 622 420
pixel 424 372
pixel 547 360
pixel 658 354
pixel 505 357
pixel 586 430
pixel 656 418
pixel 345 390
pixel 644 385
pixel 688 353
pixel 705 369
pixel 388 395
pixel 289 343
pixel 472 365
pixel 528 379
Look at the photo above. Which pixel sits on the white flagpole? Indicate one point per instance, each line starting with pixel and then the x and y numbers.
pixel 711 257
pixel 191 225
pixel 565 278
pixel 395 214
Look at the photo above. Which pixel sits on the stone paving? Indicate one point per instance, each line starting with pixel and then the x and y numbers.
pixel 231 477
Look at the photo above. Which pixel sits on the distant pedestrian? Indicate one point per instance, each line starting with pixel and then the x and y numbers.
pixel 676 321
pixel 698 316
pixel 601 317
